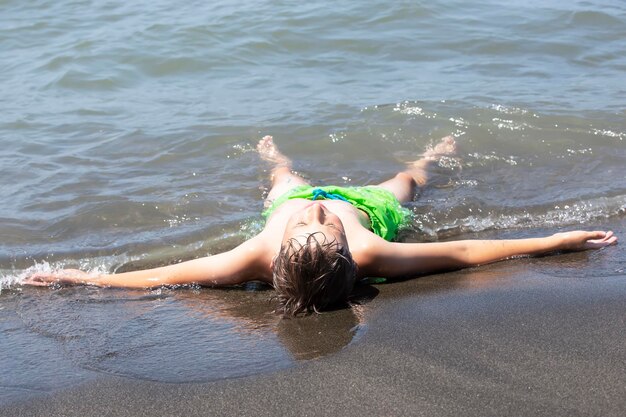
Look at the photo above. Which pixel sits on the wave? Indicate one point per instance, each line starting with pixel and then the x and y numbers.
pixel 582 212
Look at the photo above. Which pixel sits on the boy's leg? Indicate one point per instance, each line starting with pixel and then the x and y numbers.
pixel 406 183
pixel 283 179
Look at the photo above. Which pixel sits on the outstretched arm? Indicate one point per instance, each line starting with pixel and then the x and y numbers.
pixel 243 263
pixel 406 259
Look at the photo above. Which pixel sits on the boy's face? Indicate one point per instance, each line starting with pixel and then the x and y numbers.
pixel 315 218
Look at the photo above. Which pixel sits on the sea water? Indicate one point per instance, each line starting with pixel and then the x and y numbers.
pixel 127 134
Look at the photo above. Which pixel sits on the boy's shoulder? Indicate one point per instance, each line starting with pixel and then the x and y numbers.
pixel 365 246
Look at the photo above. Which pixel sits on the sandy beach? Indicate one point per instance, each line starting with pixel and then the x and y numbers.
pixel 541 336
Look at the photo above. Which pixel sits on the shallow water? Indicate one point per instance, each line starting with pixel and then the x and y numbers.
pixel 127 134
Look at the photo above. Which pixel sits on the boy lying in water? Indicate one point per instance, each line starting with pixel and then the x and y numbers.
pixel 318 241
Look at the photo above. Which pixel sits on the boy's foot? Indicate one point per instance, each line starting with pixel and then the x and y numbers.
pixel 269 152
pixel 446 147
pixel 418 169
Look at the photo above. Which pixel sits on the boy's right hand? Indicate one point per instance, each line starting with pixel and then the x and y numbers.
pixel 63 276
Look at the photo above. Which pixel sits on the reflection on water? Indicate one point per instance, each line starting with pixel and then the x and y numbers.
pixel 315 336
pixel 163 335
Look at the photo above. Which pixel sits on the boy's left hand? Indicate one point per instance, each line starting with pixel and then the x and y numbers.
pixel 581 240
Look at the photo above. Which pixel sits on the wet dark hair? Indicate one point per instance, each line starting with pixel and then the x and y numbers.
pixel 311 276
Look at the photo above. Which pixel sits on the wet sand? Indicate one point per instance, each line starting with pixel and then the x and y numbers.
pixel 544 336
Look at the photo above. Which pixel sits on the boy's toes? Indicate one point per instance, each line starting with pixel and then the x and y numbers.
pixel 264 142
pixel 447 146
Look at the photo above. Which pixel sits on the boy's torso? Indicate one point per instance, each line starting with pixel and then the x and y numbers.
pixel 361 240
pixel 355 221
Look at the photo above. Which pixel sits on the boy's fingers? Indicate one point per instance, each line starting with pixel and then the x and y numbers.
pixel 609 238
pixel 604 239
pixel 598 234
pixel 35 282
pixel 40 279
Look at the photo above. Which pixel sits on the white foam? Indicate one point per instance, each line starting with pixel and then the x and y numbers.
pixel 14 278
pixel 11 279
pixel 564 214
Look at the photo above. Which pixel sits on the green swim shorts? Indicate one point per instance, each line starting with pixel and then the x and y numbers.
pixel 386 213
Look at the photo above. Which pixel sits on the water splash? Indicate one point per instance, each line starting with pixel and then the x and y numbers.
pixel 12 279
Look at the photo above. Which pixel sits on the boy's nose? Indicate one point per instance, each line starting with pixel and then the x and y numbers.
pixel 316 213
